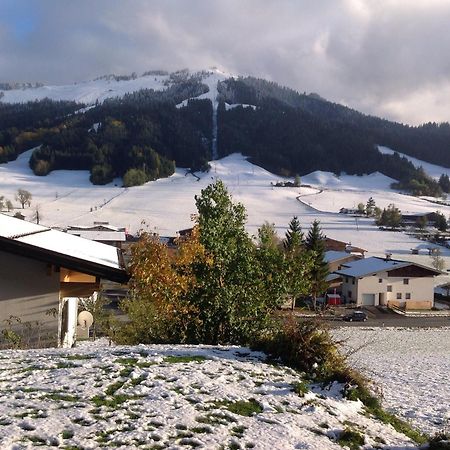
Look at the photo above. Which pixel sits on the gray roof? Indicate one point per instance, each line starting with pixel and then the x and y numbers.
pixel 334 255
pixel 375 265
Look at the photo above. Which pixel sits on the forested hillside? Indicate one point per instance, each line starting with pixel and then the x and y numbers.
pixel 142 135
pixel 291 133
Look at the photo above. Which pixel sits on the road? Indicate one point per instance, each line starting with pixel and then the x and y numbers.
pixel 387 318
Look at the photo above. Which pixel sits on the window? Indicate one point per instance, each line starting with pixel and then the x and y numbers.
pixel 349 294
pixel 408 296
pixel 346 279
pixel 399 295
pixel 380 280
pixel 389 288
pixel 353 281
pixel 405 280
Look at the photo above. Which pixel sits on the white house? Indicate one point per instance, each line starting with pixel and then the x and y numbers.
pixel 43 272
pixel 388 282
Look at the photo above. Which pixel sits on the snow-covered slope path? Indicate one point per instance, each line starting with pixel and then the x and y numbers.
pixel 170 397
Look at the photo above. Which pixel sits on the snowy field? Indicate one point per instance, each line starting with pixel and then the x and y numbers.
pixel 166 205
pixel 411 367
pixel 170 397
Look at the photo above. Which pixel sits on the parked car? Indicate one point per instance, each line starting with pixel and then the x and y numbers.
pixel 356 316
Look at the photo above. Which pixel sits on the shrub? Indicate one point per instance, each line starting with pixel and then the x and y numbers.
pixel 307 346
pixel 134 177
pixel 351 439
pixel 101 174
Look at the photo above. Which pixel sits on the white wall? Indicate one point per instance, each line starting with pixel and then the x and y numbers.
pixel 421 289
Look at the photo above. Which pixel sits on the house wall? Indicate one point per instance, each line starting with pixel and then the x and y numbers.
pixel 349 284
pixel 421 290
pixel 28 290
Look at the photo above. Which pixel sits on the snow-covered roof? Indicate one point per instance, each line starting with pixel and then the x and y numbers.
pixel 373 265
pixel 57 243
pixel 117 236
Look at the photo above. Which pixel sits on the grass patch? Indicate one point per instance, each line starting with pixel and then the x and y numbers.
pixel 215 419
pixel 351 439
pixel 125 373
pixel 113 388
pixel 300 388
pixel 373 406
pixel 36 440
pixel 242 407
pixel 58 396
pixel 138 380
pixel 127 361
pixel 238 431
pixel 200 430
pixel 113 402
pixel 79 357
pixel 184 359
pixel 65 365
pixel 67 434
pixel 145 364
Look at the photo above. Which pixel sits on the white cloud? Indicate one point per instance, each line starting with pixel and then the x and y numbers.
pixel 376 56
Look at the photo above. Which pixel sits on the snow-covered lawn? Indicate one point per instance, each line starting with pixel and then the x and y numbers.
pixel 169 397
pixel 411 366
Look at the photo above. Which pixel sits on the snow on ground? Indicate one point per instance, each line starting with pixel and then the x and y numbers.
pixel 87 92
pixel 411 366
pixel 433 170
pixel 166 205
pixel 170 397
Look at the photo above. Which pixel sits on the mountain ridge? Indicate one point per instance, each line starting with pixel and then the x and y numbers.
pixel 152 122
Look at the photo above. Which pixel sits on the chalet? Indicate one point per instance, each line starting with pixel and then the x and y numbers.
pixel 43 273
pixel 101 232
pixel 388 282
pixel 340 246
pixel 411 220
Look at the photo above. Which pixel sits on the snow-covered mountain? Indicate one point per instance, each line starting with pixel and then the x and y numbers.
pixel 90 92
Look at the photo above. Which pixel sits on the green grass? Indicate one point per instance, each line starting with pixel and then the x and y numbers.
pixel 206 430
pixel 242 407
pixel 127 361
pixel 79 357
pixel 300 388
pixel 373 406
pixel 36 440
pixel 351 439
pixel 58 396
pixel 113 402
pixel 138 380
pixel 113 388
pixel 184 359
pixel 67 434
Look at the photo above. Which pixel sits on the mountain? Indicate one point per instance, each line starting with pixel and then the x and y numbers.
pixel 138 128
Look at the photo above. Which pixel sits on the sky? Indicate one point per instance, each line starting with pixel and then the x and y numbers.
pixel 389 58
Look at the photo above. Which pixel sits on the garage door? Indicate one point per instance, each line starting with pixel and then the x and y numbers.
pixel 368 299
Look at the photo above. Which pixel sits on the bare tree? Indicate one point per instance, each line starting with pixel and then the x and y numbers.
pixel 37 216
pixel 24 197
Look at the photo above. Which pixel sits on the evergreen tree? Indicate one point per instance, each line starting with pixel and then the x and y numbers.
pixel 440 222
pixel 444 182
pixel 315 244
pixel 294 235
pixel 297 262
pixel 390 217
pixel 370 207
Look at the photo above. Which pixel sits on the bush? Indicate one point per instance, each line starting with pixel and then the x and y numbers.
pixel 134 177
pixel 101 174
pixel 306 346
